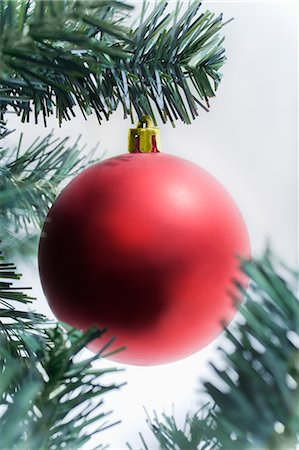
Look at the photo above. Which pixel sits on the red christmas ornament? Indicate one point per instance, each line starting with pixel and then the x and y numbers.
pixel 144 244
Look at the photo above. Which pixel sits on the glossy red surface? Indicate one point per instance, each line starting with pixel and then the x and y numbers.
pixel 146 245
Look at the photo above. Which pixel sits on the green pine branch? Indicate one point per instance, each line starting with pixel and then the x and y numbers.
pixel 29 183
pixel 49 396
pixel 56 55
pixel 49 400
pixel 17 325
pixel 257 405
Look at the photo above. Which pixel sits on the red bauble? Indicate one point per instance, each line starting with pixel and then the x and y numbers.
pixel 144 244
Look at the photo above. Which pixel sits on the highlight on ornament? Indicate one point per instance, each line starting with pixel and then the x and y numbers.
pixel 145 244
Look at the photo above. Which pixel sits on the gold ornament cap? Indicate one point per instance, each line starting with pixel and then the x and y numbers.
pixel 145 138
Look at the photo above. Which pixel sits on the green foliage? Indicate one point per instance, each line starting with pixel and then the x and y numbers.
pixel 255 399
pixel 59 55
pixel 16 324
pixel 55 55
pixel 29 183
pixel 50 398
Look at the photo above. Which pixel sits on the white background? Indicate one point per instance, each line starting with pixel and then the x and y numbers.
pixel 249 142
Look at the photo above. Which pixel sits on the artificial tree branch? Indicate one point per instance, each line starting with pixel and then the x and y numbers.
pixel 58 55
pixel 257 406
pixel 29 183
pixel 48 397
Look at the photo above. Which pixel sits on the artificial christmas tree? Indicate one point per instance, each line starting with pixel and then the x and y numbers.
pixel 59 55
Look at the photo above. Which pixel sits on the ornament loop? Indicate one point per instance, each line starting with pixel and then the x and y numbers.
pixel 147 121
pixel 145 138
